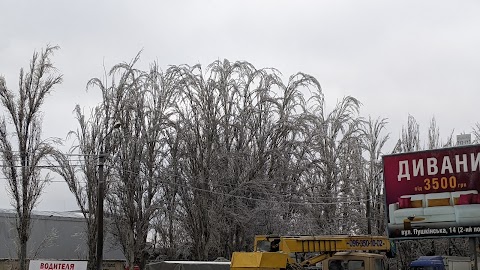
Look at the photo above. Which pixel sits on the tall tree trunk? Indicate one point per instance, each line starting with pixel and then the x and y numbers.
pixel 23 248
pixel 368 212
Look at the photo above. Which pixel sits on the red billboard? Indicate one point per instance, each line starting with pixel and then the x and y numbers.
pixel 433 193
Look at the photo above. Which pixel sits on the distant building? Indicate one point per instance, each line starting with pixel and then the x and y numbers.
pixel 464 139
pixel 54 236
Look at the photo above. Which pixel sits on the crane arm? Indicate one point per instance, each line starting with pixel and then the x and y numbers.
pixel 324 243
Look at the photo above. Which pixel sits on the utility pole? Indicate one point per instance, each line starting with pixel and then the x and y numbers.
pixel 100 198
pixel 473 251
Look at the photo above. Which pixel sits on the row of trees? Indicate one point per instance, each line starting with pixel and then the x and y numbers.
pixel 204 159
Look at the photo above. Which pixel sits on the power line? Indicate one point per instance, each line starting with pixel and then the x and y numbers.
pixel 253 199
pixel 65 154
pixel 228 194
pixel 215 185
pixel 281 202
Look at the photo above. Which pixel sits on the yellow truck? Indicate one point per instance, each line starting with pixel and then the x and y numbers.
pixel 331 252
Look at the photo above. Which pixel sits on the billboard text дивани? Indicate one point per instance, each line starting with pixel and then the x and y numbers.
pixel 433 193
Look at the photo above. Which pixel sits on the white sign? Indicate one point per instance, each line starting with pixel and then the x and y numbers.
pixel 57 265
pixel 464 139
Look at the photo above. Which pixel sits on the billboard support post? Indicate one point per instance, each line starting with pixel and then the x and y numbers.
pixel 473 251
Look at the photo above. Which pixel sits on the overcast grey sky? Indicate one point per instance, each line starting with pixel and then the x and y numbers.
pixel 397 57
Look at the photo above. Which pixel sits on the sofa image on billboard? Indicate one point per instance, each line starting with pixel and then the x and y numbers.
pixel 457 208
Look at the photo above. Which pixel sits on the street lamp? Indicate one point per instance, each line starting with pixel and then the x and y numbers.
pixel 101 197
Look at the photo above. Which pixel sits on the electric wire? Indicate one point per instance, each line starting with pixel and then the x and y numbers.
pixel 218 185
pixel 224 193
pixel 254 199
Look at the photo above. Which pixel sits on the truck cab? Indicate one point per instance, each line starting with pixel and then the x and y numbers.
pixel 441 263
pixel 427 264
pixel 355 261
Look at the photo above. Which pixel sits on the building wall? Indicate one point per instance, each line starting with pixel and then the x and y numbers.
pixel 55 236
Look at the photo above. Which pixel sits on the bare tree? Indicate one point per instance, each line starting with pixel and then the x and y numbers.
pixel 433 135
pixel 170 237
pixel 410 140
pixel 373 144
pixel 48 241
pixel 142 102
pixel 476 133
pixel 336 135
pixel 198 133
pixel 81 173
pixel 22 163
